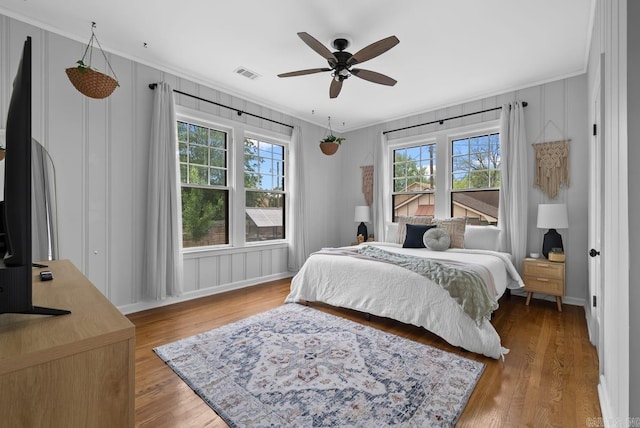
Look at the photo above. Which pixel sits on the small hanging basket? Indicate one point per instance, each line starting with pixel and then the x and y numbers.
pixel 89 81
pixel 329 148
pixel 330 143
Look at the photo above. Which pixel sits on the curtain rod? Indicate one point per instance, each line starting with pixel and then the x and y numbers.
pixel 240 112
pixel 441 121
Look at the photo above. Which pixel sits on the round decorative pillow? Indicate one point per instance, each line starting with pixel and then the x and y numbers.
pixel 437 239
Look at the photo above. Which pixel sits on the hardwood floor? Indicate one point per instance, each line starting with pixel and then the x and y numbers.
pixel 549 378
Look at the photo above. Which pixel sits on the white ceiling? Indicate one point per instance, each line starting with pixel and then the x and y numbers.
pixel 450 51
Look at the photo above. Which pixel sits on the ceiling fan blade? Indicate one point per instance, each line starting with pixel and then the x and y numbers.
pixel 303 72
pixel 318 47
pixel 334 89
pixel 373 50
pixel 374 77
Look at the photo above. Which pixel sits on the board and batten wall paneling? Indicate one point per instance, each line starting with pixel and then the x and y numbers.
pixel 100 152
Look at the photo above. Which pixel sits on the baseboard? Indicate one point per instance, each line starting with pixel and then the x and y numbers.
pixel 568 300
pixel 608 419
pixel 144 305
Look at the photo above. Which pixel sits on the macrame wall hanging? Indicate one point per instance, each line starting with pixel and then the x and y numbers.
pixel 552 166
pixel 367 183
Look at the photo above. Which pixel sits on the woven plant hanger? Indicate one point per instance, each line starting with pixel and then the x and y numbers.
pixel 89 81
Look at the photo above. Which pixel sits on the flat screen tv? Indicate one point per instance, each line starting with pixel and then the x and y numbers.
pixel 16 265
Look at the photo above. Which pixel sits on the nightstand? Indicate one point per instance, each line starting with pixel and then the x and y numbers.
pixel 545 277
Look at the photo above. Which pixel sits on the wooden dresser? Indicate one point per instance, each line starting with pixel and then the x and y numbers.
pixel 73 370
pixel 545 277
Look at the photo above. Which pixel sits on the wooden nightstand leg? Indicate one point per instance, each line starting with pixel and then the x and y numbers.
pixel 529 294
pixel 559 303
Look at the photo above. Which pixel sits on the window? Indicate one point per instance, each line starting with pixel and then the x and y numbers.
pixel 264 182
pixel 414 180
pixel 447 173
pixel 205 192
pixel 475 178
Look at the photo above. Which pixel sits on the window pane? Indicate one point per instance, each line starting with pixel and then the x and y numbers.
pixel 198 134
pixel 478 207
pixel 217 177
pixel 183 152
pixel 198 155
pixel 264 172
pixel 479 170
pixel 460 147
pixel 217 139
pixel 182 132
pixel 204 217
pixel 264 219
pixel 218 158
pixel 479 179
pixel 414 205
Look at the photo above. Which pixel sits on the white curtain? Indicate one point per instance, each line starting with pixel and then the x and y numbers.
pixel 296 206
pixel 381 190
pixel 513 207
pixel 163 238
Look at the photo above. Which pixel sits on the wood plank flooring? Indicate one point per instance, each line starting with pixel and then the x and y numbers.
pixel 548 379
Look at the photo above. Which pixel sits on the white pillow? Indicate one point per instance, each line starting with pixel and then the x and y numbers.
pixel 482 238
pixel 437 239
pixel 391 233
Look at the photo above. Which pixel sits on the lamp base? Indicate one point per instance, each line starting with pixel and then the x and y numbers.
pixel 362 230
pixel 552 239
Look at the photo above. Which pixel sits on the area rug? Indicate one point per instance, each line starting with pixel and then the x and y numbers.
pixel 295 366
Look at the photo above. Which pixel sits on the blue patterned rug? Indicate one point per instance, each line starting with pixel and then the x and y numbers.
pixel 295 366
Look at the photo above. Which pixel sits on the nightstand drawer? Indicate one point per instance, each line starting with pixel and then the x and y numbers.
pixel 545 270
pixel 536 284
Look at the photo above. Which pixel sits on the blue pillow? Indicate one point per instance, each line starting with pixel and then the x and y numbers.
pixel 415 234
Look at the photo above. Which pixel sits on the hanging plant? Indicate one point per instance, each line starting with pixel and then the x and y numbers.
pixel 330 144
pixel 86 79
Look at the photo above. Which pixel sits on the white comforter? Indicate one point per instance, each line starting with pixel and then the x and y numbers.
pixel 391 291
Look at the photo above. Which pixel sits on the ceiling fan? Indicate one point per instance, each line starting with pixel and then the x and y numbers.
pixel 341 62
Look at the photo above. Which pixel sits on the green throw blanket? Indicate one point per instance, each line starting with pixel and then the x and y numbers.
pixel 465 286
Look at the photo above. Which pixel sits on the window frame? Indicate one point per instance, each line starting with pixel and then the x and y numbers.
pixel 271 139
pixel 236 132
pixel 444 151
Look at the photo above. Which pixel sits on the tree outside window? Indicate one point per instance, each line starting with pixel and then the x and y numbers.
pixel 203 176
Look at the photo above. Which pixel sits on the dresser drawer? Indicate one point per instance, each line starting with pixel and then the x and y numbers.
pixel 535 284
pixel 544 270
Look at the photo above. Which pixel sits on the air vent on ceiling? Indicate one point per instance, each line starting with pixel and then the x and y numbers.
pixel 243 71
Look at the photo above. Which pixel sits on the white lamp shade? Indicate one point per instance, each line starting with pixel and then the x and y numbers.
pixel 362 214
pixel 553 216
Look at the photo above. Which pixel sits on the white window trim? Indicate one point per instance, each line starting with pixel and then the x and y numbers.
pixel 236 132
pixel 442 139
pixel 275 139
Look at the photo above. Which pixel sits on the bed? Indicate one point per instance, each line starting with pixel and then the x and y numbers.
pixel 345 279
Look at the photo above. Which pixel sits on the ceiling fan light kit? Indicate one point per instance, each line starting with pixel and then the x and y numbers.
pixel 341 62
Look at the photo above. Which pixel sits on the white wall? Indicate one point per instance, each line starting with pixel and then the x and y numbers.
pixel 100 151
pixel 618 378
pixel 633 85
pixel 556 111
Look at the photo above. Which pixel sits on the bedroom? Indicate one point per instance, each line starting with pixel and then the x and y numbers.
pixel 103 190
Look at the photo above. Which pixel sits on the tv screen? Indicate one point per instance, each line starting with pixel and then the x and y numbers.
pixel 16 266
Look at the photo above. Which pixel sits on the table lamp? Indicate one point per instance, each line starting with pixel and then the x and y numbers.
pixel 552 217
pixel 362 215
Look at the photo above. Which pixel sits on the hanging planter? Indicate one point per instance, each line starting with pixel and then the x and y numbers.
pixel 89 81
pixel 330 144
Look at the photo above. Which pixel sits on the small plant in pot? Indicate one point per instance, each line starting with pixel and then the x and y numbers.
pixel 329 144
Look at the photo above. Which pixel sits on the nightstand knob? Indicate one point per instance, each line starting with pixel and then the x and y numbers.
pixel 594 253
